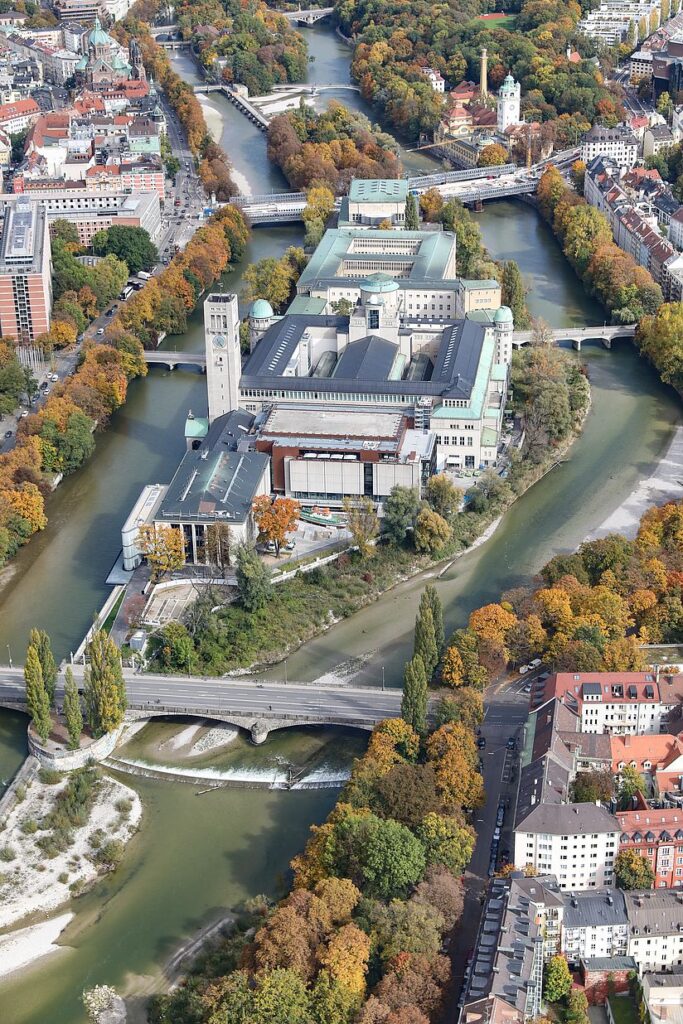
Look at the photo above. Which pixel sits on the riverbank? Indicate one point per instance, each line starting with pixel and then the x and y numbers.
pixel 22 947
pixel 35 880
pixel 663 485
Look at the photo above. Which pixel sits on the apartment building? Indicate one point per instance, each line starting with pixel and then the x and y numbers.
pixel 15 117
pixel 25 272
pixel 578 843
pixel 616 702
pixel 657 835
pixel 655 929
pixel 594 925
pixel 619 144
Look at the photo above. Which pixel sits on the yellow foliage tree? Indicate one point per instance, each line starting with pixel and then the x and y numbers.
pixel 452 668
pixel 163 548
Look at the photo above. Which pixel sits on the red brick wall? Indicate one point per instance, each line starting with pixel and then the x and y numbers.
pixel 596 984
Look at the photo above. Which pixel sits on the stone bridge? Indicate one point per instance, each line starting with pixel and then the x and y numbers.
pixel 171 359
pixel 577 335
pixel 307 17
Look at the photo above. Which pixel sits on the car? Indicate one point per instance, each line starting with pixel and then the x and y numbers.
pixel 110 312
pixel 500 816
pixel 523 670
pixel 100 332
pixel 46 392
pixel 535 663
pixel 23 414
pixel 44 385
pixel 290 545
pixel 496 834
pixel 492 868
pixel 54 377
pixel 511 743
pixel 481 742
pixel 526 688
pixel 8 433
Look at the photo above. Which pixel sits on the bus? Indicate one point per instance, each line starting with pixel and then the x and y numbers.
pixel 127 292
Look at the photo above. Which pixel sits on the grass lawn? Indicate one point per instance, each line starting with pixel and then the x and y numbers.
pixel 506 21
pixel 623 1010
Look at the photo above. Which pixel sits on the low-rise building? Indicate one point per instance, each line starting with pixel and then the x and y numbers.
pixel 435 79
pixel 663 997
pixel 640 66
pixel 371 201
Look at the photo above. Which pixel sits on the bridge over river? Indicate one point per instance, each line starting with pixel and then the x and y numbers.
pixel 257 707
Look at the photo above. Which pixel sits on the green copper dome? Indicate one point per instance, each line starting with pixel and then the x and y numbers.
pixel 503 315
pixel 98 37
pixel 379 284
pixel 261 310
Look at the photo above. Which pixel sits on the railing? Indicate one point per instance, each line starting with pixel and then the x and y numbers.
pixel 260 714
pixel 445 177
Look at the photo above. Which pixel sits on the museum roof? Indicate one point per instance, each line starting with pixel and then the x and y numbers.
pixel 378 190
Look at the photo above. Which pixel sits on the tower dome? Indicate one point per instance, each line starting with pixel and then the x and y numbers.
pixel 503 315
pixel 379 284
pixel 261 310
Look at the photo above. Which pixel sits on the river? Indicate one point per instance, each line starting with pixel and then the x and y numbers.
pixel 195 855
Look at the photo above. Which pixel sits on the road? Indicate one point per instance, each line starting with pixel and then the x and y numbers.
pixel 506 709
pixel 244 696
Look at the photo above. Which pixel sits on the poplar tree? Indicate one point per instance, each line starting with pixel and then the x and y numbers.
pixel 72 710
pixel 514 296
pixel 425 639
pixel 36 694
pixel 104 690
pixel 39 639
pixel 434 602
pixel 412 219
pixel 414 700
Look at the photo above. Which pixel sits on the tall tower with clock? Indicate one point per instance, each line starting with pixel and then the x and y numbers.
pixel 223 358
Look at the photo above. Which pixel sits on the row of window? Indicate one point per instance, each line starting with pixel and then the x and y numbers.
pixel 462 441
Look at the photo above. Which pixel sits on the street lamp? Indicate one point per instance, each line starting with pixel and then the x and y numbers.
pixel 9 655
pixel 382 677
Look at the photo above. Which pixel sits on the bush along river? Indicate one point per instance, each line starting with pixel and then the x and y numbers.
pixel 196 855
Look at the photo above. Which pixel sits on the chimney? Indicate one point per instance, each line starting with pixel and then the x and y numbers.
pixel 484 74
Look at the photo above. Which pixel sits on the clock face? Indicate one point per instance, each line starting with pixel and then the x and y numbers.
pixel 219 341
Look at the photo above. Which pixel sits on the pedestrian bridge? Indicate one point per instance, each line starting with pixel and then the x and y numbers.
pixel 577 335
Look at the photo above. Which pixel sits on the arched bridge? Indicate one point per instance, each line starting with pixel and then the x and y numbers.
pixel 172 359
pixel 307 17
pixel 577 335
pixel 258 707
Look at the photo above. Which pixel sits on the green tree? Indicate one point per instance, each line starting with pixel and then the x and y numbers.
pixel 632 871
pixel 591 786
pixel 400 512
pixel 280 997
pixel 39 639
pixel 253 579
pixel 467 645
pixel 269 279
pixel 73 713
pixel 447 842
pixel 630 783
pixel 443 496
pixel 37 699
pixel 425 638
pixel 412 218
pixel 557 980
pixel 414 700
pixel 174 647
pixel 383 858
pixel 64 229
pixel 577 1008
pixel 132 245
pixel 431 531
pixel 104 690
pixel 514 295
pixel 665 105
pixel 431 596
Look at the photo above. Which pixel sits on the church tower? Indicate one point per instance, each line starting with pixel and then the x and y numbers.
pixel 509 103
pixel 223 357
pixel 138 68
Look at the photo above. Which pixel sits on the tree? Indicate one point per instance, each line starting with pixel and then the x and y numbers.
pixel 412 218
pixel 632 871
pixel 65 230
pixel 414 700
pixel 73 713
pixel 452 668
pixel 579 175
pixel 406 793
pixel 219 545
pixel 493 155
pixel 453 755
pixel 253 579
pixel 514 295
pixel 174 647
pixel 431 531
pixel 163 548
pixel 665 105
pixel 431 597
pixel 132 245
pixel 447 842
pixel 443 496
pixel 104 691
pixel 37 699
pixel 557 980
pixel 425 638
pixel 275 518
pixel 577 1008
pixel 363 523
pixel 269 279
pixel 630 783
pixel 592 786
pixel 383 858
pixel 400 512
pixel 39 639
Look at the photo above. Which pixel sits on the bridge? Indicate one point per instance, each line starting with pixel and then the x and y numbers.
pixel 577 335
pixel 259 708
pixel 301 89
pixel 171 359
pixel 307 17
pixel 243 104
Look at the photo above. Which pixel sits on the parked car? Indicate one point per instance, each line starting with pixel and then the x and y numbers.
pixel 496 834
pixel 23 414
pixel 511 743
pixel 524 669
pixel 100 332
pixel 500 815
pixel 54 377
pixel 8 433
pixel 481 742
pixel 535 663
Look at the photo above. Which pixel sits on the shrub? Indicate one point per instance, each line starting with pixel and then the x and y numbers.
pixel 124 806
pixel 7 853
pixel 29 826
pixel 49 776
pixel 111 854
pixel 63 877
pixel 20 794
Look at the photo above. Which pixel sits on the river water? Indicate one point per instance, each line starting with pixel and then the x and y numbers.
pixel 196 855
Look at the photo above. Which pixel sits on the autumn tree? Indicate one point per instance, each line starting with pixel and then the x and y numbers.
pixel 363 524
pixel 163 548
pixel 73 713
pixel 466 642
pixel 633 871
pixel 432 532
pixel 447 841
pixel 40 640
pixel 275 518
pixel 451 751
pixel 557 979
pixel 37 699
pixel 589 787
pixel 104 691
pixel 443 496
pixel 493 155
pixel 452 668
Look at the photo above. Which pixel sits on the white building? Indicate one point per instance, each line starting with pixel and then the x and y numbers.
pixel 619 144
pixel 223 357
pixel 616 702
pixel 657 139
pixel 577 843
pixel 594 924
pixel 435 79
pixel 508 104
pixel 655 929
pixel 640 66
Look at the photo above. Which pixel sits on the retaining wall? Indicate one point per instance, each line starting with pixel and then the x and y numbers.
pixel 71 760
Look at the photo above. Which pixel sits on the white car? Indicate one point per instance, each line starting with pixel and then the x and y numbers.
pixel 535 663
pixel 524 669
pixel 100 332
pixel 54 377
